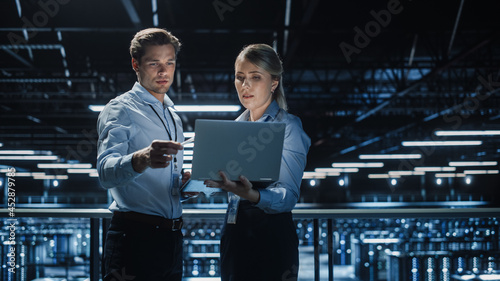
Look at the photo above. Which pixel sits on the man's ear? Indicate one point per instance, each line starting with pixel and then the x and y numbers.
pixel 135 65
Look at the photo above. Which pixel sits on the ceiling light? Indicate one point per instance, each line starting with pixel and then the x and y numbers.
pixel 23 174
pixel 358 165
pixel 313 175
pixel 325 170
pixel 481 172
pixel 331 172
pixel 81 171
pixel 188 134
pixel 378 176
pixel 473 163
pixel 439 181
pixel 389 156
pixel 17 152
pixel 468 133
pixel 96 108
pixel 440 143
pixel 1 144
pixel 64 166
pixel 341 182
pixel 313 182
pixel 394 182
pixel 406 173
pixel 435 169
pixel 50 177
pixel 349 170
pixel 33 157
pixel 336 170
pixel 449 175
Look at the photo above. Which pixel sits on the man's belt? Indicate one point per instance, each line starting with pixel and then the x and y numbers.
pixel 159 222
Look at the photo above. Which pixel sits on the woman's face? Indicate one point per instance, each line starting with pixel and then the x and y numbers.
pixel 254 86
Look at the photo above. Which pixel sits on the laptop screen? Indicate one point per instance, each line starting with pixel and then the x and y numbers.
pixel 252 149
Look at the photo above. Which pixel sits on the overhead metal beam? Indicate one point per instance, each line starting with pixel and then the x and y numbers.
pixel 457 20
pixel 19 8
pixel 47 80
pixel 298 35
pixel 431 74
pixel 19 58
pixel 32 47
pixel 131 30
pixel 132 13
pixel 287 26
pixel 154 10
pixel 454 108
pixel 412 55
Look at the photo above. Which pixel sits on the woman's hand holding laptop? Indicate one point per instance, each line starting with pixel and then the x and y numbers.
pixel 243 188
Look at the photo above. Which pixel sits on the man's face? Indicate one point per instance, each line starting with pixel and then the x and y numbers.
pixel 155 71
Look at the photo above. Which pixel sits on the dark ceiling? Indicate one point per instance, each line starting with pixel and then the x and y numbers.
pixel 362 75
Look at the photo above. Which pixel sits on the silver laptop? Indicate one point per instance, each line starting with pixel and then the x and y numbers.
pixel 252 149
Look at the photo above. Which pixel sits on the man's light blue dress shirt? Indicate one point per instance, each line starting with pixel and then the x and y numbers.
pixel 126 125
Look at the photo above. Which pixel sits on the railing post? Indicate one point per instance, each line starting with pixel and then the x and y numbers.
pixel 94 249
pixel 330 249
pixel 316 249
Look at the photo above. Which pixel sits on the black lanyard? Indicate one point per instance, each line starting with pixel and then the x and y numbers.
pixel 165 126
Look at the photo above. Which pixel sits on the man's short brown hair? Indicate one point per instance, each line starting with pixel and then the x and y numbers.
pixel 151 37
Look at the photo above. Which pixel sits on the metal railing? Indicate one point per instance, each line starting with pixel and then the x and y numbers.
pixel 98 216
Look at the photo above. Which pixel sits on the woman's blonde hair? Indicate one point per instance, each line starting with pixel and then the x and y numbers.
pixel 265 57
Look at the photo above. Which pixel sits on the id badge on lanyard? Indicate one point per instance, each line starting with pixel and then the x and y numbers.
pixel 232 208
pixel 175 175
pixel 175 179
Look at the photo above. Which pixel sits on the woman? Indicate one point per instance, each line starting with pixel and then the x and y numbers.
pixel 259 240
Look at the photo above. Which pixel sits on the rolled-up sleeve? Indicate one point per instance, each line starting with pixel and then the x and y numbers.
pixel 282 195
pixel 114 160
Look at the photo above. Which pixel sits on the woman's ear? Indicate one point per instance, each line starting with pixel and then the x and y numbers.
pixel 274 85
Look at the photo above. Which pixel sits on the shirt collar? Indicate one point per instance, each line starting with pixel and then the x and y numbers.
pixel 271 112
pixel 148 98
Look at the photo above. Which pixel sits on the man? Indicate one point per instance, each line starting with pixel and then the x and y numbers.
pixel 139 161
